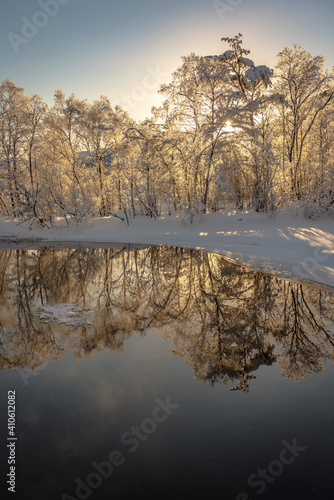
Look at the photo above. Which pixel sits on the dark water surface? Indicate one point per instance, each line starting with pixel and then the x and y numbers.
pixel 163 373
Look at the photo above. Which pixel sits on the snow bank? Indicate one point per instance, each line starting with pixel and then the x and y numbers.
pixel 286 245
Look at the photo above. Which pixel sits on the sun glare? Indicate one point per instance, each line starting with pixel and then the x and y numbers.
pixel 228 125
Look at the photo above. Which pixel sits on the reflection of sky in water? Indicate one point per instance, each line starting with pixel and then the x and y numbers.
pixel 74 412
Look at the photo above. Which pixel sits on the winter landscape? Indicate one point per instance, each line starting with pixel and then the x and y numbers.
pixel 228 134
pixel 167 282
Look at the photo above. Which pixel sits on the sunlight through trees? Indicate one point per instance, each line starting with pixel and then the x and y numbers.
pixel 227 131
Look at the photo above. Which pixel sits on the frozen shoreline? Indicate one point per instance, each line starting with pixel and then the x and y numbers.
pixel 285 245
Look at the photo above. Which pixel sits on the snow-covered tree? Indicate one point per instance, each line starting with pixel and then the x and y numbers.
pixel 307 89
pixel 103 136
pixel 13 129
pixel 228 130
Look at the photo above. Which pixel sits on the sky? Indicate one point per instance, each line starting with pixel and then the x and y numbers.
pixel 126 49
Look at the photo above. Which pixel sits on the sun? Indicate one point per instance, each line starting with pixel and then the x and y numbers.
pixel 228 126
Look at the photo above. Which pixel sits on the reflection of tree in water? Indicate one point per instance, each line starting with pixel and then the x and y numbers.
pixel 225 320
pixel 227 336
pixel 305 331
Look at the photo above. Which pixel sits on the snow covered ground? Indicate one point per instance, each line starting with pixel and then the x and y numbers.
pixel 287 245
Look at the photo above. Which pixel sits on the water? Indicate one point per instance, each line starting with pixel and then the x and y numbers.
pixel 163 373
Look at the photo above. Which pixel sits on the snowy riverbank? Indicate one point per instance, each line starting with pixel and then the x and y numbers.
pixel 284 244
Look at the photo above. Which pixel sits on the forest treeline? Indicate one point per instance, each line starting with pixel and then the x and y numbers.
pixel 227 131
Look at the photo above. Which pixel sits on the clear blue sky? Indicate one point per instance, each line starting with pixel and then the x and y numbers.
pixel 124 49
